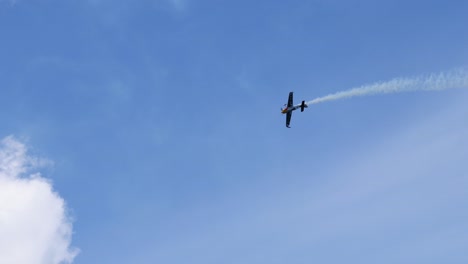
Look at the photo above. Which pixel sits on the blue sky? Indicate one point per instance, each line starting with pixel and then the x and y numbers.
pixel 162 119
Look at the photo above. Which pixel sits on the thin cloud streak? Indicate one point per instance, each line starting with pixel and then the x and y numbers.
pixel 402 192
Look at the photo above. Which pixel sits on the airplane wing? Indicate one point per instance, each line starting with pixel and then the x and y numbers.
pixel 290 99
pixel 288 119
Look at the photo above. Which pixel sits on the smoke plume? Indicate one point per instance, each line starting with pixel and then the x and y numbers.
pixel 432 82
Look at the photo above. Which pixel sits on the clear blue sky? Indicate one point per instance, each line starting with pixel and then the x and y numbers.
pixel 163 121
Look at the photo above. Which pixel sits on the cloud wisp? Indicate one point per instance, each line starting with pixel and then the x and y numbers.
pixel 34 225
pixel 432 82
pixel 386 203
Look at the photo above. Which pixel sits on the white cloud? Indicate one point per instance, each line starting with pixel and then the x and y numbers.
pixel 34 226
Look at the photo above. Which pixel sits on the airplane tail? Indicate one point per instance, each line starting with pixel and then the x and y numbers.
pixel 303 105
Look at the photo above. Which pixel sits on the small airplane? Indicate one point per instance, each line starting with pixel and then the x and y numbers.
pixel 290 107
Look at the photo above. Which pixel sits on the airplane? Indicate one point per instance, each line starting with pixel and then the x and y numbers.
pixel 290 107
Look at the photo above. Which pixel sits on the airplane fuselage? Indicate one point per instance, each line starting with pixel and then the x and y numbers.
pixel 290 109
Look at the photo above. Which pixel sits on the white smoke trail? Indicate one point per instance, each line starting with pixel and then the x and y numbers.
pixel 433 82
